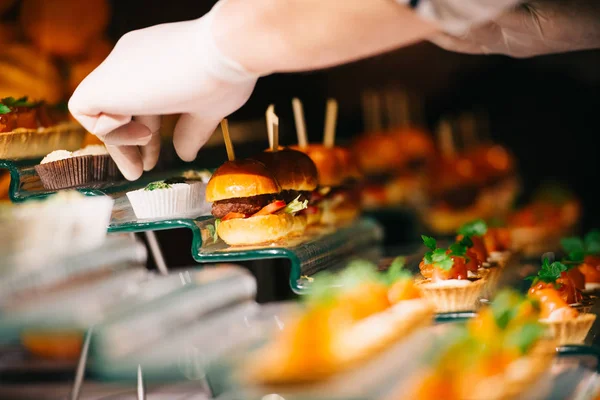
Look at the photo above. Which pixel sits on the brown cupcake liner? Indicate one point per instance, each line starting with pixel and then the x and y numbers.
pixel 112 171
pixel 62 174
pixel 571 331
pixel 450 299
pixel 33 143
pixel 100 167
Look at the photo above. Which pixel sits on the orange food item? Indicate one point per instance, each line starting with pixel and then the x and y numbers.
pixel 591 269
pixel 64 27
pixel 365 300
pixel 437 386
pixel 403 289
pixel 64 345
pixel 564 286
pixel 577 278
pixel 550 301
pixel 458 271
pixel 497 239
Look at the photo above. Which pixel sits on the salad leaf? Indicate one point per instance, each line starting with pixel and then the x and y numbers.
pixel 157 185
pixel 430 242
pixel 295 206
pixel 473 228
pixel 212 229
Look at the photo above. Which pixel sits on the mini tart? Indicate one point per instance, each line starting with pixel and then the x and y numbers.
pixel 452 295
pixel 34 143
pixel 492 277
pixel 571 331
pixel 65 173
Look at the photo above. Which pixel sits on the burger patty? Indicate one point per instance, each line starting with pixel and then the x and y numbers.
pixel 243 205
pixel 251 205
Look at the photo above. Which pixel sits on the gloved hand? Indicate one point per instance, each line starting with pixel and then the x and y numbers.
pixel 166 69
pixel 534 28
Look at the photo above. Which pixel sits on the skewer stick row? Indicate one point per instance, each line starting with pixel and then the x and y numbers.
pixel 330 123
pixel 227 139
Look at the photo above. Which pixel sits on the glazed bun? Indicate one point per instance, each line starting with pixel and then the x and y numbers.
pixel 240 178
pixel 348 164
pixel 261 229
pixel 378 153
pixel 326 161
pixel 415 143
pixel 292 169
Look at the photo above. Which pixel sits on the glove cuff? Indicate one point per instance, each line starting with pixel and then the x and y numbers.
pixel 456 17
pixel 218 64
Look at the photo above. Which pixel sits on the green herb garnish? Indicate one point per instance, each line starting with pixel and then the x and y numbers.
pixel 442 258
pixel 526 336
pixel 157 185
pixel 577 248
pixel 20 102
pixel 4 109
pixel 295 206
pixel 396 271
pixel 549 272
pixel 474 228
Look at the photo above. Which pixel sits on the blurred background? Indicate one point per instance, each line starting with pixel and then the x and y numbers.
pixel 543 109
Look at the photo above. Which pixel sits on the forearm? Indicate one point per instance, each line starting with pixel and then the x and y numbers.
pixel 296 35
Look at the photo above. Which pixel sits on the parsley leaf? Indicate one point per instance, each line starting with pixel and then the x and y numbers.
pixel 549 273
pixel 430 242
pixel 157 185
pixel 592 242
pixel 4 109
pixel 574 247
pixel 457 249
pixel 473 228
pixel 21 102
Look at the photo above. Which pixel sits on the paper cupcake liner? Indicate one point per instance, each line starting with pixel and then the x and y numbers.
pixel 100 167
pixel 449 299
pixel 491 278
pixel 62 174
pixel 571 331
pixel 180 198
pixel 112 170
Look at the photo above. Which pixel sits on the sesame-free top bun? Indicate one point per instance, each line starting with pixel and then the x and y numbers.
pixel 378 153
pixel 292 169
pixel 240 178
pixel 328 167
pixel 261 229
pixel 348 163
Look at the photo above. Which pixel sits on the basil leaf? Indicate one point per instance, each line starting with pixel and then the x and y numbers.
pixel 429 242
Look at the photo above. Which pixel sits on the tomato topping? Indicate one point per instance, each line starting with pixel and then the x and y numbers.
pixel 565 287
pixel 591 272
pixel 233 215
pixel 550 301
pixel 312 210
pixel 271 208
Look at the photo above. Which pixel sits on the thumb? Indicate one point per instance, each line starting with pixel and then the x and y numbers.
pixel 191 133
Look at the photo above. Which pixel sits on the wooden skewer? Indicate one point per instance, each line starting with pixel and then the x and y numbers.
pixel 273 128
pixel 445 139
pixel 330 123
pixel 371 104
pixel 467 126
pixel 300 123
pixel 227 139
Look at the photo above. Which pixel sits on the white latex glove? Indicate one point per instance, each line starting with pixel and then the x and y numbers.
pixel 535 28
pixel 166 69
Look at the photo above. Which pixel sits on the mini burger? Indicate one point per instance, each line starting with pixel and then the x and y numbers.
pixel 336 197
pixel 393 164
pixel 249 204
pixel 296 174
